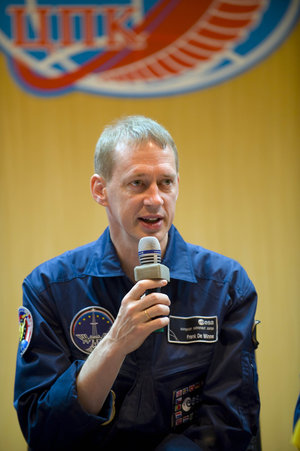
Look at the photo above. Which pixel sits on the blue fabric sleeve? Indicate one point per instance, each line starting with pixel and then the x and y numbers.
pixel 46 399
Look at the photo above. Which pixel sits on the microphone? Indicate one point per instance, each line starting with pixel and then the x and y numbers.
pixel 149 253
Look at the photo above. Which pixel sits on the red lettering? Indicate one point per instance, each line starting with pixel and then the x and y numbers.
pixel 39 25
pixel 66 28
pixel 118 34
pixel 18 24
pixel 87 25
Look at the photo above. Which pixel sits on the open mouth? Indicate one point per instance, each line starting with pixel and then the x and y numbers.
pixel 150 220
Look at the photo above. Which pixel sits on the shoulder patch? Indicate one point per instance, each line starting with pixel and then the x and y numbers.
pixel 89 326
pixel 25 328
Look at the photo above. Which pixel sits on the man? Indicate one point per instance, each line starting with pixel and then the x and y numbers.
pixel 94 368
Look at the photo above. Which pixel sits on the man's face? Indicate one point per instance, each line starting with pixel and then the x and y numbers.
pixel 141 194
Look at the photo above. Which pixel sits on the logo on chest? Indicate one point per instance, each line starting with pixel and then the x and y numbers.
pixel 89 326
pixel 186 402
pixel 193 329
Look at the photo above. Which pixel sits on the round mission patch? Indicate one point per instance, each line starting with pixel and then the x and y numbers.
pixel 89 326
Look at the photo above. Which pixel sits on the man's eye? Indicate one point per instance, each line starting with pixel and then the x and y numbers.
pixel 167 182
pixel 136 183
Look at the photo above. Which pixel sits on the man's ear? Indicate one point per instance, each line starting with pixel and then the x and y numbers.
pixel 98 189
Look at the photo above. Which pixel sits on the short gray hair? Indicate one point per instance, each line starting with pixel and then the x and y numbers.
pixel 134 130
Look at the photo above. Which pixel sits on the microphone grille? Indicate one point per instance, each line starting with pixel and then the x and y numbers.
pixel 149 250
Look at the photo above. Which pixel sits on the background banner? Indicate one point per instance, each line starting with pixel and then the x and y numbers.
pixel 138 48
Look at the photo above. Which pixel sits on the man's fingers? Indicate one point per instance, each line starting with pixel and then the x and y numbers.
pixel 143 285
pixel 154 311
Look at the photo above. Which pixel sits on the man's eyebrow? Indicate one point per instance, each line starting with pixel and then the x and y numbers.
pixel 170 175
pixel 132 173
pixel 143 174
pixel 136 174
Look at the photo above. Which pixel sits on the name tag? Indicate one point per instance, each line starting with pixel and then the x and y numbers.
pixel 193 329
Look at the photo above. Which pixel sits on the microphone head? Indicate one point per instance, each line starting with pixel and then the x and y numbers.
pixel 149 250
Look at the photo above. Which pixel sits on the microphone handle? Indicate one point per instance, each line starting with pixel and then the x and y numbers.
pixel 153 290
pixel 155 271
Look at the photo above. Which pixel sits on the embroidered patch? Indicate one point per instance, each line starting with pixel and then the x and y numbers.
pixel 89 326
pixel 192 329
pixel 25 328
pixel 186 400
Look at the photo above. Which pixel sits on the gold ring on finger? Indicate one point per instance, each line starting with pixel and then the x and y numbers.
pixel 147 315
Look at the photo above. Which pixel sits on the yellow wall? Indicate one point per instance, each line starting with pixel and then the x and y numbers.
pixel 239 148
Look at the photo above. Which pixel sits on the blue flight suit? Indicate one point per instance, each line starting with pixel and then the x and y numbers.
pixel 197 378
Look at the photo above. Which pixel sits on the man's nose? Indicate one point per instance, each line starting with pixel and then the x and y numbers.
pixel 153 196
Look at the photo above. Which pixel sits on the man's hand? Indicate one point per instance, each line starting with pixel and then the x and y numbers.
pixel 138 317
